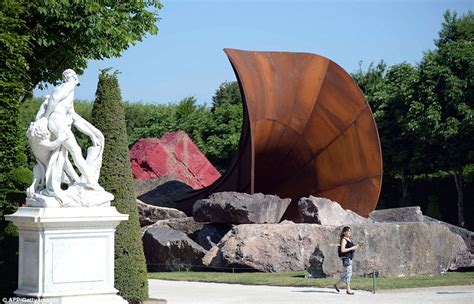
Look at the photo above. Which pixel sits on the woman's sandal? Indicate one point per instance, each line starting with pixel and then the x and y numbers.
pixel 350 293
pixel 335 286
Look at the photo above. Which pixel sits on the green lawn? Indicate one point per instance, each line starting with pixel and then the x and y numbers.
pixel 298 279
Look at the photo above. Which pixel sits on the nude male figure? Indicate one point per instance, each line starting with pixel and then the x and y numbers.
pixel 60 115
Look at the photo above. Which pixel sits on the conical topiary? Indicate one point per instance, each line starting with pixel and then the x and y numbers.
pixel 116 177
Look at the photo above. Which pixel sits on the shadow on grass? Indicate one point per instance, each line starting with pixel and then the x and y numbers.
pixel 301 276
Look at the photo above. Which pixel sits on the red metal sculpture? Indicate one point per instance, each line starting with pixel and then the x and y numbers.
pixel 307 131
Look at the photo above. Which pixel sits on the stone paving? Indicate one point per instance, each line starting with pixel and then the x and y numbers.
pixel 179 292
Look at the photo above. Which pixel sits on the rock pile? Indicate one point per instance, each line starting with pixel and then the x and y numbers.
pixel 242 231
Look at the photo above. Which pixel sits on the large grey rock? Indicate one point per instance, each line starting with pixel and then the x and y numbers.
pixel 149 214
pixel 464 259
pixel 167 250
pixel 205 234
pixel 316 262
pixel 467 235
pixel 240 208
pixel 268 248
pixel 404 214
pixel 391 249
pixel 397 249
pixel 323 211
pixel 186 225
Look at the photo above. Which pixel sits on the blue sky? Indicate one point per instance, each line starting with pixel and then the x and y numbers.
pixel 186 57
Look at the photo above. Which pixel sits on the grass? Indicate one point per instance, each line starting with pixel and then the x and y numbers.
pixel 297 279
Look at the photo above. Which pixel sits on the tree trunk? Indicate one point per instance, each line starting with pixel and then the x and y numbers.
pixel 459 180
pixel 404 199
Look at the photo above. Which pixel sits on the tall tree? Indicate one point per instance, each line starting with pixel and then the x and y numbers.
pixel 116 177
pixel 447 87
pixel 370 81
pixel 402 150
pixel 393 95
pixel 227 93
pixel 66 34
pixel 223 135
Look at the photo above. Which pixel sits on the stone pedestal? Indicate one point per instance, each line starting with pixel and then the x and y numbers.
pixel 66 255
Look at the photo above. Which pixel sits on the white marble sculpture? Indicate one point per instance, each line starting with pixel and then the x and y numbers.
pixel 52 141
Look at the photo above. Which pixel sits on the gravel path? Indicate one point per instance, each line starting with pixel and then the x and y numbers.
pixel 178 292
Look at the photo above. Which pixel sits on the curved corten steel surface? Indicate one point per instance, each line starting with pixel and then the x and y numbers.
pixel 307 131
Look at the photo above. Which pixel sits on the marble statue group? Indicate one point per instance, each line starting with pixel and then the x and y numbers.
pixel 55 180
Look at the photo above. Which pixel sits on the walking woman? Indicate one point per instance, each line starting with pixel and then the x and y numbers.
pixel 346 253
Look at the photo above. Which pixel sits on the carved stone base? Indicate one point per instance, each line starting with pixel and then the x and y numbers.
pixel 75 196
pixel 66 255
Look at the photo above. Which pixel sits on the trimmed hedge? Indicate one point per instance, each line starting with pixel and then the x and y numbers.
pixel 116 177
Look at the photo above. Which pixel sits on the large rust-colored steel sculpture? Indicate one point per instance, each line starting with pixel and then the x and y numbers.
pixel 307 131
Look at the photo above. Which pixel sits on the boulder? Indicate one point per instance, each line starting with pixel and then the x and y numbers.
pixel 467 235
pixel 323 211
pixel 210 234
pixel 316 262
pixel 267 247
pixel 186 225
pixel 165 193
pixel 395 250
pixel 464 259
pixel 149 214
pixel 204 234
pixel 168 250
pixel 390 249
pixel 173 155
pixel 240 208
pixel 404 214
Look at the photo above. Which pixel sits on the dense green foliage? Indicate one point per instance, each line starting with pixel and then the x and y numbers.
pixel 13 175
pixel 116 177
pixel 227 93
pixel 425 114
pixel 447 83
pixel 66 34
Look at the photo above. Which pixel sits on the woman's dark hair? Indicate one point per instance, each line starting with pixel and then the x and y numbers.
pixel 344 230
